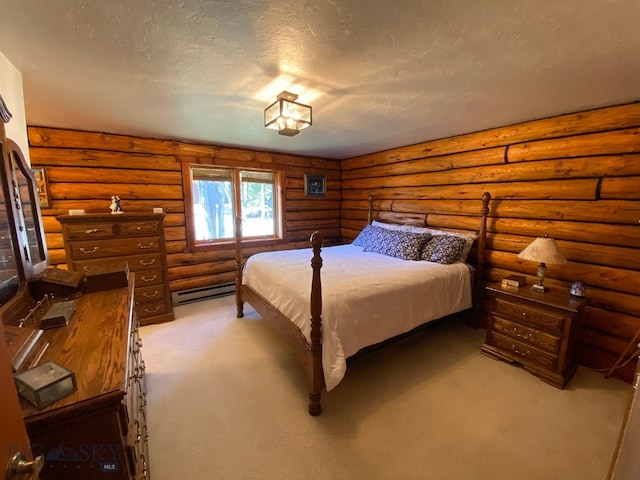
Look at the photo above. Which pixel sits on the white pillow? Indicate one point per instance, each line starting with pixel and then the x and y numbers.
pixel 393 226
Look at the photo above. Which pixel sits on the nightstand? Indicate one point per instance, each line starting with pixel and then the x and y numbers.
pixel 539 331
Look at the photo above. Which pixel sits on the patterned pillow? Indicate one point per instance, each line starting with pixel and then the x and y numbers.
pixel 395 243
pixel 443 249
pixel 364 237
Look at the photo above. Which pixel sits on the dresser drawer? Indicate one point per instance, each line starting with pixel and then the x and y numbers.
pixel 135 262
pixel 521 352
pixel 150 309
pixel 143 229
pixel 149 294
pixel 110 248
pixel 550 320
pixel 91 230
pixel 150 277
pixel 531 336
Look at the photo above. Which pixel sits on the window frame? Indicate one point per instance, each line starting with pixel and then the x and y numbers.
pixel 279 213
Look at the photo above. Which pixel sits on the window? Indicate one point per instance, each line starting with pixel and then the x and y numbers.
pixel 219 195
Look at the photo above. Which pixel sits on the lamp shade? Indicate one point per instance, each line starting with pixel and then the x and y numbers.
pixel 543 250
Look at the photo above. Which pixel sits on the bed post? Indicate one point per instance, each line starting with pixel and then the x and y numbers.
pixel 239 302
pixel 370 215
pixel 478 290
pixel 315 373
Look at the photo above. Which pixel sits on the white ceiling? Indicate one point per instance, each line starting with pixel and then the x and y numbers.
pixel 378 73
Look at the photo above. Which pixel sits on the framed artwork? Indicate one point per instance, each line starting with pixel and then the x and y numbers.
pixel 315 185
pixel 42 186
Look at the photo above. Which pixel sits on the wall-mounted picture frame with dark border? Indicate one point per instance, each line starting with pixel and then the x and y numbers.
pixel 315 185
pixel 42 185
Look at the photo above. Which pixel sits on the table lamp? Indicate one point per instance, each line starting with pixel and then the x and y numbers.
pixel 545 251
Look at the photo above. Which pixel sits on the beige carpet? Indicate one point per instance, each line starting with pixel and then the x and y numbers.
pixel 227 400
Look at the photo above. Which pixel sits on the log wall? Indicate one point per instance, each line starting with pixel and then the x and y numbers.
pixel 85 169
pixel 574 177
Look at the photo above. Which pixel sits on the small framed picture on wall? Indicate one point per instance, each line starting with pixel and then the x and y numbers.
pixel 42 186
pixel 315 185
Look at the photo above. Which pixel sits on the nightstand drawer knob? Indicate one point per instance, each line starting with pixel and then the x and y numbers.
pixel 524 314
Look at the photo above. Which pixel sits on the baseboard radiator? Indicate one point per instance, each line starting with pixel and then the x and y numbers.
pixel 205 293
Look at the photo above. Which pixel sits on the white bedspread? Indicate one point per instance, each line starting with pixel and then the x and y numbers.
pixel 366 297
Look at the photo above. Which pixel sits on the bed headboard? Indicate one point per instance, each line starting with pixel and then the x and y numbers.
pixel 422 220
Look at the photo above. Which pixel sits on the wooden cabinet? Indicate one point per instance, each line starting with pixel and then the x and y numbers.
pixel 100 430
pixel 540 331
pixel 137 238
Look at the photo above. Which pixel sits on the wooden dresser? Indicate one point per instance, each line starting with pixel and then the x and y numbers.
pixel 137 238
pixel 100 430
pixel 540 331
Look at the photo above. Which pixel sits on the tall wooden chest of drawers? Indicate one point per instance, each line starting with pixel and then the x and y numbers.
pixel 100 430
pixel 92 240
pixel 540 331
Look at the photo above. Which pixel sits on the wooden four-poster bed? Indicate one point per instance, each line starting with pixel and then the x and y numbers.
pixel 333 339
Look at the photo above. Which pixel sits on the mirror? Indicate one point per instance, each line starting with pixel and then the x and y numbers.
pixel 9 277
pixel 29 225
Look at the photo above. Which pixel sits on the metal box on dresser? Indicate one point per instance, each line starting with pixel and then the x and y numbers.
pixel 91 240
pixel 540 331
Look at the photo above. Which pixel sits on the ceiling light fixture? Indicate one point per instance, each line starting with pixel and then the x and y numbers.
pixel 287 116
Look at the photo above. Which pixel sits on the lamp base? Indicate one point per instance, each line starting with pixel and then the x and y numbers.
pixel 536 287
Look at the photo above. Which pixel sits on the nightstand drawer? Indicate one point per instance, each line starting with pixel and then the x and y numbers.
pixel 549 320
pixel 523 353
pixel 527 335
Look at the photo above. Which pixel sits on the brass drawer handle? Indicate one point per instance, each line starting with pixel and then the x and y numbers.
pixel 526 336
pixel 144 247
pixel 152 295
pixel 146 264
pixel 93 250
pixel 149 279
pixel 152 310
pixel 91 230
pixel 516 351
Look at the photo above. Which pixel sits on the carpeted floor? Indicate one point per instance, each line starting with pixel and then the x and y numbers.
pixel 228 400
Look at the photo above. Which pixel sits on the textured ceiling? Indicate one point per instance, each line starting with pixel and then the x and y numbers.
pixel 378 73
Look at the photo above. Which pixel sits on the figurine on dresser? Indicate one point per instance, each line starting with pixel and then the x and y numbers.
pixel 115 205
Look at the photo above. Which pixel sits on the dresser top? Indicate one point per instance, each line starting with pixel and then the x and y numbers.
pixel 554 297
pixel 133 216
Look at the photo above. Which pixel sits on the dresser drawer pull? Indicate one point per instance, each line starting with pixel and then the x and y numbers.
pixel 524 314
pixel 526 336
pixel 93 250
pixel 152 310
pixel 146 264
pixel 149 279
pixel 518 352
pixel 91 230
pixel 145 247
pixel 151 295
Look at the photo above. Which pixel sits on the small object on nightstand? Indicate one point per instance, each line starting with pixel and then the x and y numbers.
pixel 45 384
pixel 578 289
pixel 514 281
